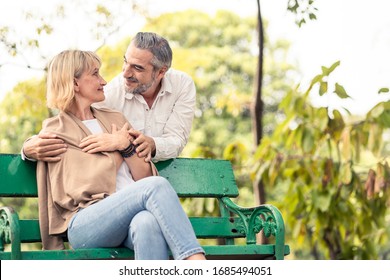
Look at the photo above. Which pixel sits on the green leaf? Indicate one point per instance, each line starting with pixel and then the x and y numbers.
pixel 340 91
pixel 316 79
pixel 334 66
pixel 382 90
pixel 384 119
pixel 326 71
pixel 377 110
pixel 323 88
pixel 322 118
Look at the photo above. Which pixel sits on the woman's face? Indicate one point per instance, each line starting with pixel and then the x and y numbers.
pixel 89 88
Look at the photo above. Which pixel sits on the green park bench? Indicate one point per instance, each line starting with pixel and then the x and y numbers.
pixel 196 178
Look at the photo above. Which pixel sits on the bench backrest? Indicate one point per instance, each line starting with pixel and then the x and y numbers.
pixel 189 177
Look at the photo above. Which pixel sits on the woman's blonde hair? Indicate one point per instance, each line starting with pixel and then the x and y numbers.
pixel 63 69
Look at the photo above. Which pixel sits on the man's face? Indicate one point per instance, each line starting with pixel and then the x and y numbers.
pixel 139 74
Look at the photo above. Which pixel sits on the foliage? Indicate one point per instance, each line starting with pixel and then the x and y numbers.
pixel 303 9
pixel 332 182
pixel 22 112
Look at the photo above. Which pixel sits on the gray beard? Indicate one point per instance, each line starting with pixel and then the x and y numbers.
pixel 140 89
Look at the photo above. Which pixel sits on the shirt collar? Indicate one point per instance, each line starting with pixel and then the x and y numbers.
pixel 166 85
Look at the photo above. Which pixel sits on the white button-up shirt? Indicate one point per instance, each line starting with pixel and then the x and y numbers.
pixel 168 122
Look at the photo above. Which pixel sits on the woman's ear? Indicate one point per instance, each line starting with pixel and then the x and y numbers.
pixel 76 85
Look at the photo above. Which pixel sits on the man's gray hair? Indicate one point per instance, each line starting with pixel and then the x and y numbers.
pixel 157 45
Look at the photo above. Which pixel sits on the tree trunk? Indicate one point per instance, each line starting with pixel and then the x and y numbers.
pixel 257 105
pixel 257 114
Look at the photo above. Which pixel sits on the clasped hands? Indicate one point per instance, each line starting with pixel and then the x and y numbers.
pixel 48 147
pixel 119 139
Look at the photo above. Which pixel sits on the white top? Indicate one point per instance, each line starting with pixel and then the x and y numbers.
pixel 168 122
pixel 123 177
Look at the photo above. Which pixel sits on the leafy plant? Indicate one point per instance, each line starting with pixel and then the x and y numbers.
pixel 332 182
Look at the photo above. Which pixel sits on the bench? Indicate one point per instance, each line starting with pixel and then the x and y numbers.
pixel 195 178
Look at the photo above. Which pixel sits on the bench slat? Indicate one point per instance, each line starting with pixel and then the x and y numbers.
pixel 212 252
pixel 189 177
pixel 17 177
pixel 204 227
pixel 199 177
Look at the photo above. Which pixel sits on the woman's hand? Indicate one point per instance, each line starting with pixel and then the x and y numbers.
pixel 106 142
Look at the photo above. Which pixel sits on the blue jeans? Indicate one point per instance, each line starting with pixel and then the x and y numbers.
pixel 146 216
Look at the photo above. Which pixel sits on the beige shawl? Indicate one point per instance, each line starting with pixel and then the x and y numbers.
pixel 78 179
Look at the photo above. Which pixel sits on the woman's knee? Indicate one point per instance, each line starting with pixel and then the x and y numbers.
pixel 158 180
pixel 160 186
pixel 144 223
pixel 163 184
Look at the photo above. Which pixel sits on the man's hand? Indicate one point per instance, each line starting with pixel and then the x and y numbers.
pixel 45 147
pixel 146 146
pixel 106 142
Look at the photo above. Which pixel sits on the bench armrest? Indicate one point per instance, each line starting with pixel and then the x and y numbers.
pixel 265 217
pixel 10 231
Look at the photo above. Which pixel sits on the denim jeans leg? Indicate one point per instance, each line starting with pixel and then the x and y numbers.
pixel 146 238
pixel 107 222
pixel 162 201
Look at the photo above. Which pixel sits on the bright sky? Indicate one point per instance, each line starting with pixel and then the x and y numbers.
pixel 356 32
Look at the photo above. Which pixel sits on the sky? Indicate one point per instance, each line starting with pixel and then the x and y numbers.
pixel 354 32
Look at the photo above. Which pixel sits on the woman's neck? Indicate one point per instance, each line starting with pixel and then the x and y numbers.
pixel 82 114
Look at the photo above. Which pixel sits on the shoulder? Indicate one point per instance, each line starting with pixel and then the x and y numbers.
pixel 176 81
pixel 177 74
pixel 60 123
pixel 51 123
pixel 108 114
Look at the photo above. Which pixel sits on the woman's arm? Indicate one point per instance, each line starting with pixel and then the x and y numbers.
pixel 121 141
pixel 139 168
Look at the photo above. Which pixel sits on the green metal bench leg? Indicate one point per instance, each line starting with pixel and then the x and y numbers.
pixel 10 231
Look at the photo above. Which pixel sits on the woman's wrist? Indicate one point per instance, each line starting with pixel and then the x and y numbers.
pixel 129 151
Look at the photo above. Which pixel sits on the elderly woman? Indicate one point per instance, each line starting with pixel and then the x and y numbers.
pixel 100 194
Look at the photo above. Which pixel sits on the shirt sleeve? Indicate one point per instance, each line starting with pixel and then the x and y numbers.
pixel 22 155
pixel 178 127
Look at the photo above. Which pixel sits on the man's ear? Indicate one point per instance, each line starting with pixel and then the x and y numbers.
pixel 162 71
